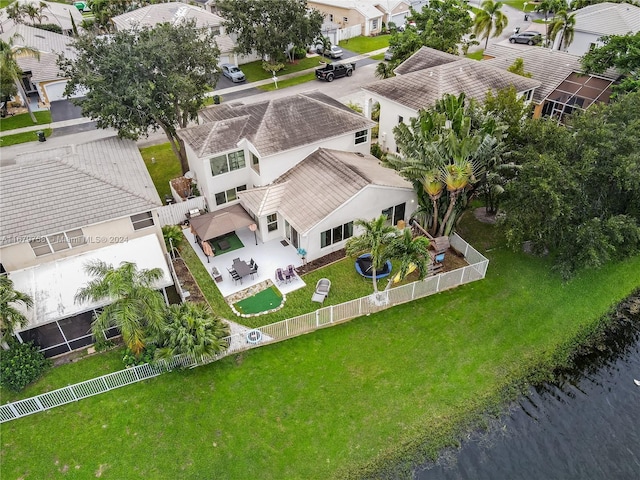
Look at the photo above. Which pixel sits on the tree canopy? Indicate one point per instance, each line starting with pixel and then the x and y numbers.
pixel 11 72
pixel 440 25
pixel 10 316
pixel 145 79
pixel 490 17
pixel 621 52
pixel 576 194
pixel 270 27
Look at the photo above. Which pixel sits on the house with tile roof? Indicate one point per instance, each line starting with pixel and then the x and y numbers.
pixel 63 207
pixel 598 20
pixel 427 76
pixel 317 201
pixel 239 147
pixel 564 87
pixel 349 13
pixel 172 12
pixel 64 15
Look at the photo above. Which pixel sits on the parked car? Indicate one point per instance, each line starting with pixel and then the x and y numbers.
pixel 528 38
pixel 335 70
pixel 333 52
pixel 388 55
pixel 232 72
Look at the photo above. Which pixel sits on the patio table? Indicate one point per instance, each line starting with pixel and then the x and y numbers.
pixel 242 268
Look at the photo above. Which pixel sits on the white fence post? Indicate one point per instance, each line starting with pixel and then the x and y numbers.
pixel 38 403
pixel 13 410
pixel 73 394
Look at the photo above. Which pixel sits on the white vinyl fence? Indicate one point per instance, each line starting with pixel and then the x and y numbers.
pixel 275 332
pixel 175 213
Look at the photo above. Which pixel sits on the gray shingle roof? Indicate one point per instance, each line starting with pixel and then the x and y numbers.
pixel 550 67
pixel 422 88
pixel 317 186
pixel 274 125
pixel 608 19
pixel 170 12
pixel 425 58
pixel 73 186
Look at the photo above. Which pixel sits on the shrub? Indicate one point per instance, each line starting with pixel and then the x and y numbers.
pixel 173 233
pixel 299 53
pixel 50 27
pixel 377 152
pixel 146 356
pixel 21 365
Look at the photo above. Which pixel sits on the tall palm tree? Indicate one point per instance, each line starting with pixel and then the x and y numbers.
pixel 137 308
pixel 547 7
pixel 490 18
pixel 457 176
pixel 433 186
pixel 191 329
pixel 375 239
pixel 409 252
pixel 385 70
pixel 564 24
pixel 10 316
pixel 9 54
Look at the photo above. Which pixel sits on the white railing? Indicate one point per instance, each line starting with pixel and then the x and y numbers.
pixel 175 213
pixel 274 332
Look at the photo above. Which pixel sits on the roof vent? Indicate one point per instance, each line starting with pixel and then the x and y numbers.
pixel 360 154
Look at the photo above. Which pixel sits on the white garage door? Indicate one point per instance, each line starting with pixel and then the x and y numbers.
pixel 224 59
pixel 55 91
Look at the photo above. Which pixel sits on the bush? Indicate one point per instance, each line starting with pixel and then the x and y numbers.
pixel 377 152
pixel 21 365
pixel 50 27
pixel 299 53
pixel 147 356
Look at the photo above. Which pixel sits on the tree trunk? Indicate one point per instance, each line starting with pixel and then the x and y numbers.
pixel 434 227
pixel 452 204
pixel 177 145
pixel 375 275
pixel 25 97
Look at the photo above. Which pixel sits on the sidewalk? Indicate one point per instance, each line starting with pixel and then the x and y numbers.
pixel 221 92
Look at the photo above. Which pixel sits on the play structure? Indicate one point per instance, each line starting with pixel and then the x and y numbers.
pixel 364 266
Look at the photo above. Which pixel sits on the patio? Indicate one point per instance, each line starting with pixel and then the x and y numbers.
pixel 269 256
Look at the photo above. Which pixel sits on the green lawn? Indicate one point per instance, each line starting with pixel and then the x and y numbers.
pixel 23 137
pixel 4 3
pixel 24 120
pixel 267 299
pixel 308 77
pixel 519 4
pixel 254 71
pixel 165 167
pixel 477 55
pixel 366 44
pixel 398 384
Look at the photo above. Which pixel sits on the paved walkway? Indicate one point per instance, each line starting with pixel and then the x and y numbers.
pixel 221 92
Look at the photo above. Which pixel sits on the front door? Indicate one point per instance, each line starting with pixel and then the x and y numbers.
pixel 292 234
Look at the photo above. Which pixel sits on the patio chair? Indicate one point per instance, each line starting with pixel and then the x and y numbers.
pixel 231 271
pixel 279 276
pixel 236 277
pixel 252 263
pixel 254 269
pixel 291 273
pixel 322 290
pixel 236 260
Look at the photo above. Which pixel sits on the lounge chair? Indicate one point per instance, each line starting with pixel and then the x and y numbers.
pixel 279 276
pixel 291 273
pixel 322 290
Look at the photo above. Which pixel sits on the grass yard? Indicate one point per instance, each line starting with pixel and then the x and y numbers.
pixel 166 166
pixel 254 71
pixel 23 137
pixel 260 302
pixel 365 44
pixel 477 55
pixel 290 82
pixel 399 384
pixel 4 3
pixel 24 120
pixel 520 5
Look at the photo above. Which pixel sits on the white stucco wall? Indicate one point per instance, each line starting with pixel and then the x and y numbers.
pixel 389 113
pixel 367 205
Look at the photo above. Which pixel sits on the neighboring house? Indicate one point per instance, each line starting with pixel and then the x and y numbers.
pixel 595 21
pixel 563 85
pixel 425 78
pixel 54 13
pixel 314 205
pixel 41 77
pixel 347 13
pixel 174 12
pixel 63 207
pixel 240 147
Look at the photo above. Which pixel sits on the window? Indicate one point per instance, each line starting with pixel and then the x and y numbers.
pixel 345 19
pixel 272 222
pixel 215 30
pixel 361 136
pixel 142 220
pixel 337 234
pixel 528 95
pixel 400 119
pixel 374 24
pixel 255 162
pixel 229 195
pixel 331 17
pixel 394 214
pixel 58 242
pixel 226 163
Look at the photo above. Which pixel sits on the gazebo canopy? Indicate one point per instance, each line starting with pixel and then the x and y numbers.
pixel 220 222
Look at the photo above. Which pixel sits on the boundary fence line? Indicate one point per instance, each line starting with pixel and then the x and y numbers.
pixel 275 332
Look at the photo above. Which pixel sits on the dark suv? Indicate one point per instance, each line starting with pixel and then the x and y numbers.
pixel 529 38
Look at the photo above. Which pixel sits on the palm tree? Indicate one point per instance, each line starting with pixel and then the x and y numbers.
pixel 433 187
pixel 409 252
pixel 375 239
pixel 10 68
pixel 10 316
pixel 137 309
pixel 490 17
pixel 191 329
pixel 563 24
pixel 457 176
pixel 547 7
pixel 385 70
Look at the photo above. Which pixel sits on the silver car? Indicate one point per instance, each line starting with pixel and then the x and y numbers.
pixel 232 72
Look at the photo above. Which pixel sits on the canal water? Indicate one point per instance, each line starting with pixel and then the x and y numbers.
pixel 585 426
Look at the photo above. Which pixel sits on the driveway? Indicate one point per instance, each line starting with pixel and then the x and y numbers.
pixel 62 110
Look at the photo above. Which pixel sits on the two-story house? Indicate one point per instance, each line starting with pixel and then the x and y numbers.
pixel 59 210
pixel 425 78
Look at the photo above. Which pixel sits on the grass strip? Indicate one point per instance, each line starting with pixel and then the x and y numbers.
pixel 162 165
pixel 254 71
pixel 399 384
pixel 290 82
pixel 365 44
pixel 24 120
pixel 25 137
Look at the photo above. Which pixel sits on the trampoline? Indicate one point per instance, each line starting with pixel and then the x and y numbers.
pixel 364 267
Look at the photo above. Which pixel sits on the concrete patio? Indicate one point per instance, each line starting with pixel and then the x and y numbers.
pixel 269 256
